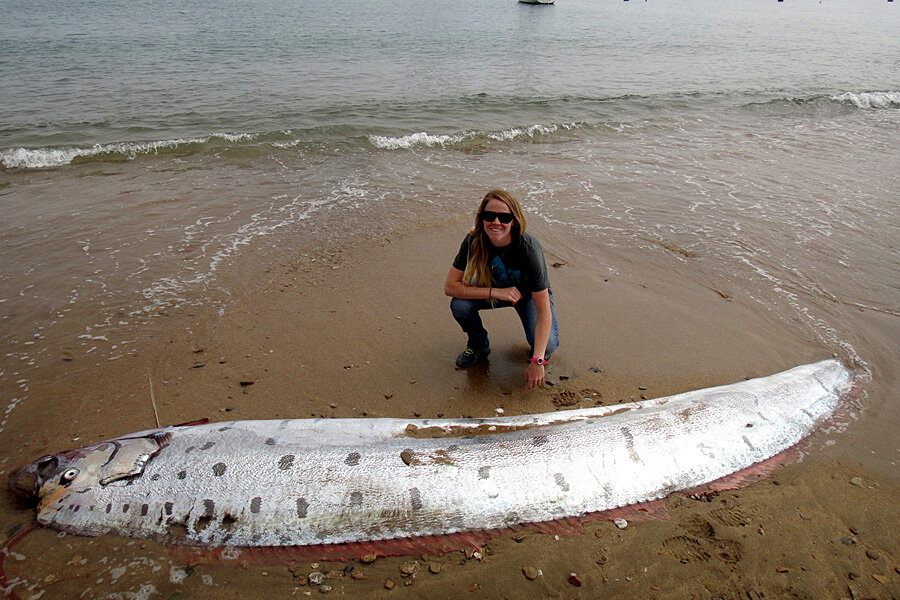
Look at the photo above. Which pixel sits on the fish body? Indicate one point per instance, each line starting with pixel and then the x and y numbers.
pixel 327 481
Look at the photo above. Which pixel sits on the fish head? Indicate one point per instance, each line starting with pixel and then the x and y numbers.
pixel 53 476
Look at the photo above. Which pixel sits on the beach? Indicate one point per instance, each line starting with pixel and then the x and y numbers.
pixel 355 333
pixel 233 211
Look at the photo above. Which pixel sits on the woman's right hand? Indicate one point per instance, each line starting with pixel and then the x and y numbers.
pixel 510 294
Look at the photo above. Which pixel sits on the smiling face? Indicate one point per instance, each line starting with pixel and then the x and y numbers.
pixel 500 234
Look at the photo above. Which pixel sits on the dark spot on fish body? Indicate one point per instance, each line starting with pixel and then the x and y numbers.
pixel 125 508
pixel 224 428
pixel 561 482
pixel 181 474
pixel 255 505
pixel 144 509
pixel 302 507
pixel 108 508
pixel 352 459
pixel 189 449
pixel 219 469
pixel 539 440
pixel 286 462
pixel 356 499
pixel 202 523
pixel 207 445
pixel 209 507
pixel 452 447
pixel 484 472
pixel 228 521
pixel 270 442
pixel 156 477
pixel 168 508
pixel 415 497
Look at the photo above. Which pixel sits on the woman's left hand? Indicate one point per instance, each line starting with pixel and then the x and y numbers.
pixel 534 375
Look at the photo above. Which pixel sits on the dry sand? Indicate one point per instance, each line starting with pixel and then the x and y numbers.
pixel 366 331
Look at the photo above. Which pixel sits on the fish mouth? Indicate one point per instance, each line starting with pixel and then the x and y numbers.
pixel 25 482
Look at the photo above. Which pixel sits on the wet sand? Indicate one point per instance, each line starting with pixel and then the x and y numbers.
pixel 365 331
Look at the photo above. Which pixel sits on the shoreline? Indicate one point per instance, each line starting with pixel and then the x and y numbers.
pixel 366 331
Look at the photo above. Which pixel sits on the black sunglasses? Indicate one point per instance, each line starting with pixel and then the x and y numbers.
pixel 488 216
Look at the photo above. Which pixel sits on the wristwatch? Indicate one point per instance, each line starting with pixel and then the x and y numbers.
pixel 538 360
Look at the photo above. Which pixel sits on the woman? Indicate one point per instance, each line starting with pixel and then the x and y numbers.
pixel 499 265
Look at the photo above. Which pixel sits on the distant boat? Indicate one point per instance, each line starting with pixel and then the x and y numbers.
pixel 537 1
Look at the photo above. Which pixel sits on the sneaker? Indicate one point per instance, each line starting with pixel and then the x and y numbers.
pixel 470 356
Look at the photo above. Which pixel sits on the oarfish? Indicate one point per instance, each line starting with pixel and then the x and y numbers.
pixel 328 481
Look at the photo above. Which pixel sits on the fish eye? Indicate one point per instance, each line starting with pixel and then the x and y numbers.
pixel 69 475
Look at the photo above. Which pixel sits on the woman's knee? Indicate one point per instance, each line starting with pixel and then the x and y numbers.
pixel 463 309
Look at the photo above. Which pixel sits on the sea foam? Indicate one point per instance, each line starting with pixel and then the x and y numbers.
pixel 424 138
pixel 24 158
pixel 870 99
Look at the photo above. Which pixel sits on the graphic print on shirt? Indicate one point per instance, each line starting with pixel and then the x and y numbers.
pixel 502 276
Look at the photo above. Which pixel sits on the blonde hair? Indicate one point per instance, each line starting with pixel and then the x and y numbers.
pixel 477 267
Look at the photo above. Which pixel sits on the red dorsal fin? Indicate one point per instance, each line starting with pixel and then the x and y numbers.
pixel 202 421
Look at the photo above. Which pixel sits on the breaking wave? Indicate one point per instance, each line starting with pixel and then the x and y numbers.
pixel 24 158
pixel 446 140
pixel 869 99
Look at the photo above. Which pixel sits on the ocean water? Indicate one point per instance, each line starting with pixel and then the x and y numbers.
pixel 148 148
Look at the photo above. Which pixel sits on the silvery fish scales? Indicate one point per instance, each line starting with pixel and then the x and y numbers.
pixel 327 481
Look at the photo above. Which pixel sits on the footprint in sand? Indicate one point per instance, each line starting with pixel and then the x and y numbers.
pixel 699 527
pixel 565 398
pixel 733 517
pixel 685 549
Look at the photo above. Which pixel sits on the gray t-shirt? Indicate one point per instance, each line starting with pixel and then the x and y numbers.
pixel 520 264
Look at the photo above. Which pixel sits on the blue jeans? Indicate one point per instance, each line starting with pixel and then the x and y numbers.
pixel 466 314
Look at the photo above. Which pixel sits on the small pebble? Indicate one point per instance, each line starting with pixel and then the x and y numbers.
pixel 316 578
pixel 853 575
pixel 409 567
pixel 388 584
pixel 368 559
pixel 357 574
pixel 848 541
pixel 325 588
pixel 873 554
pixel 857 481
pixel 434 568
pixel 574 579
pixel 621 523
pixel 879 578
pixel 530 572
